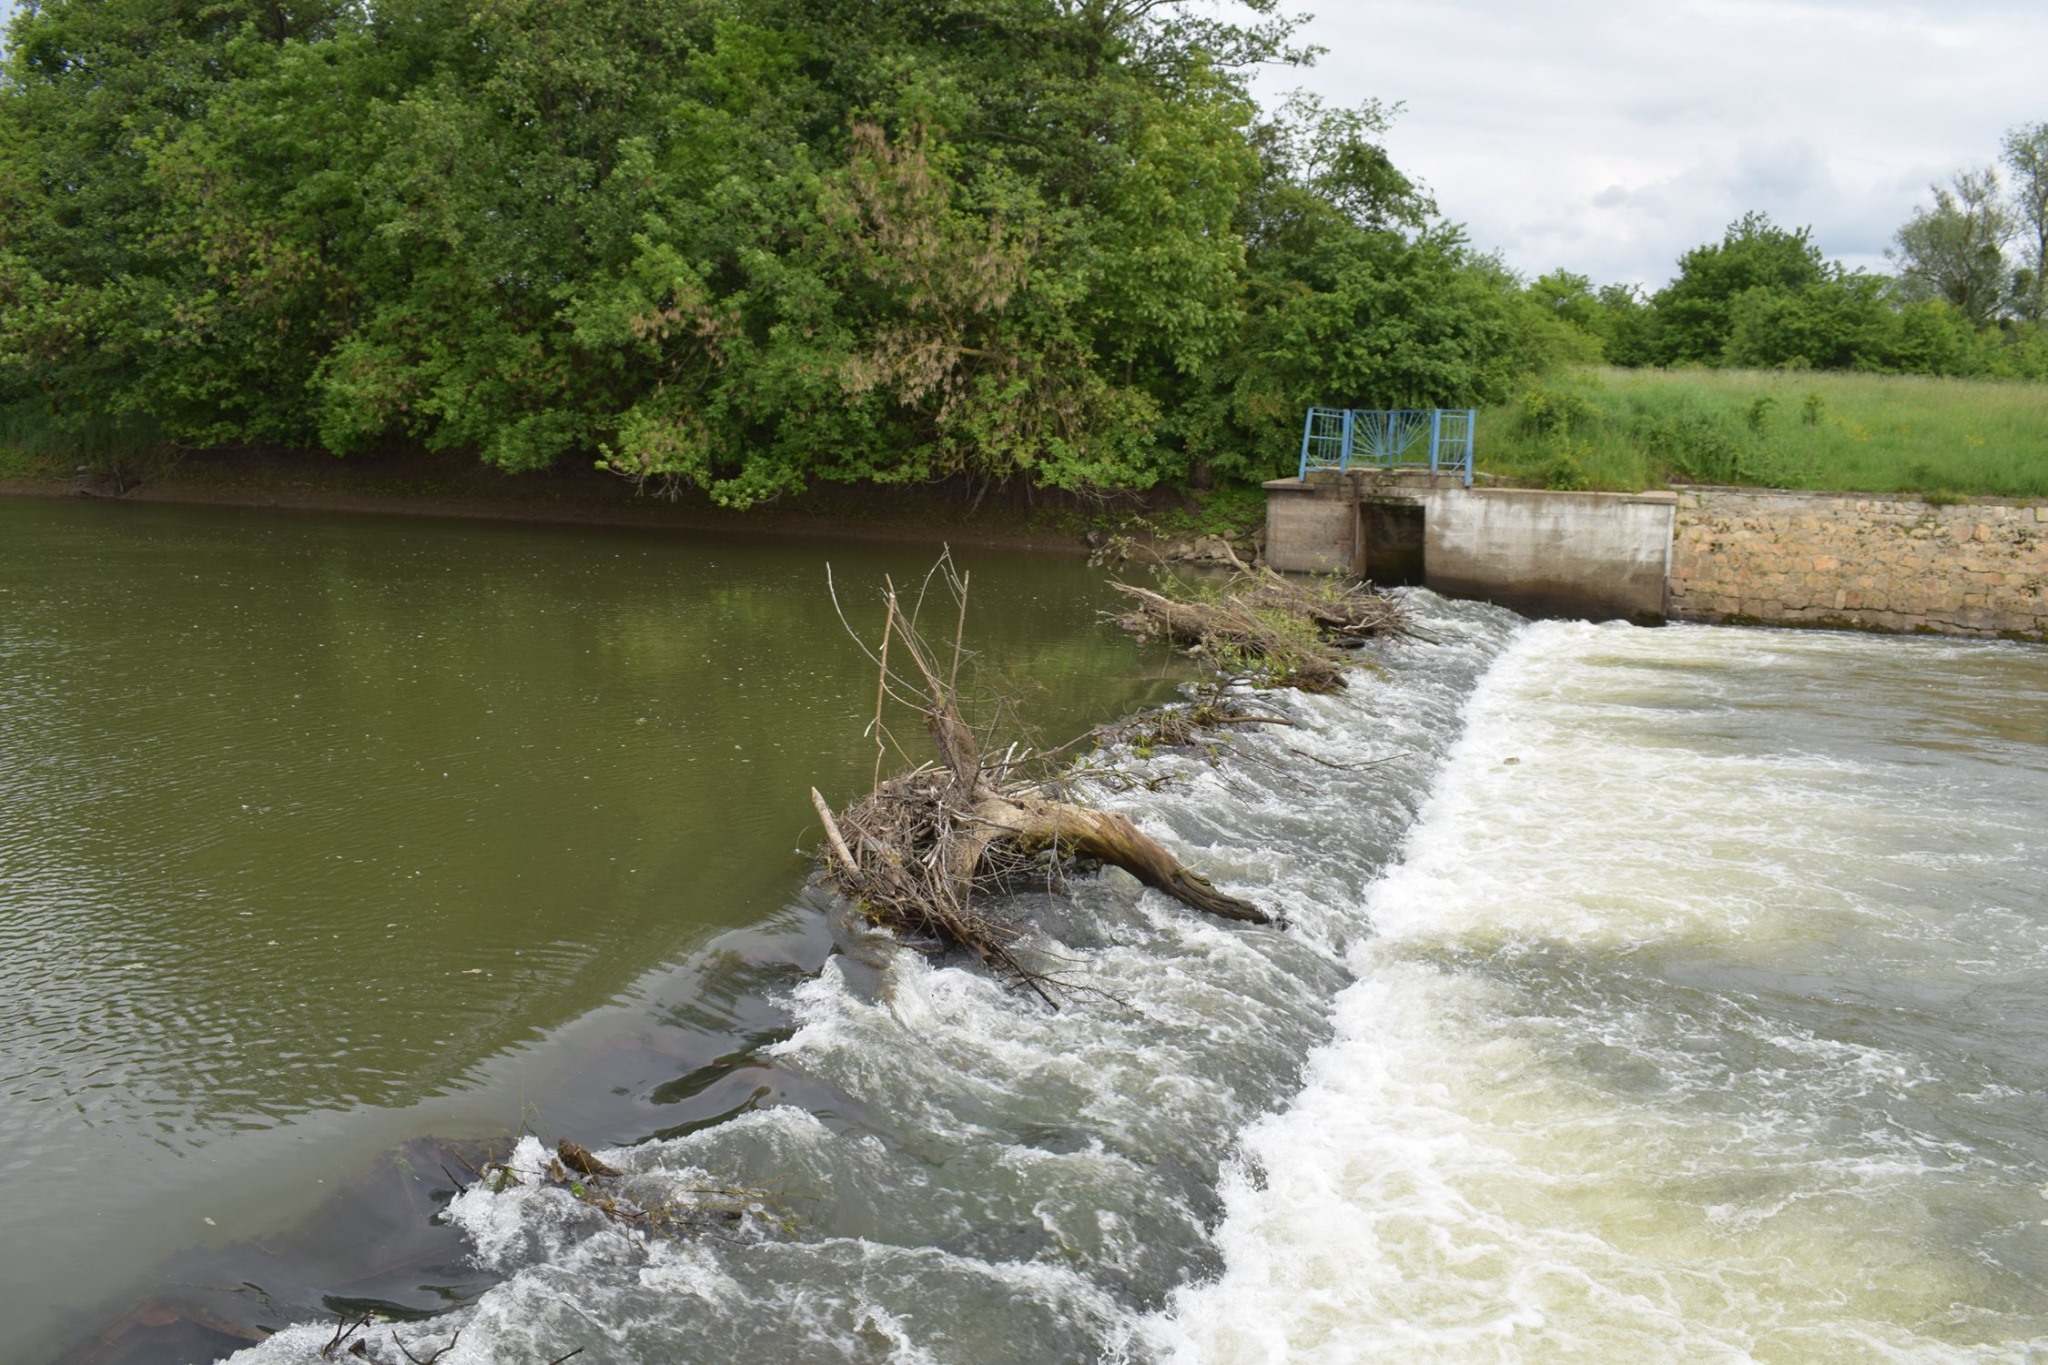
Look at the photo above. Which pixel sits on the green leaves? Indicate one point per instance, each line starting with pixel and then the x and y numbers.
pixel 1694 311
pixel 738 245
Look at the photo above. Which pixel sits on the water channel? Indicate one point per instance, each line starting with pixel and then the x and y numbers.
pixel 1648 994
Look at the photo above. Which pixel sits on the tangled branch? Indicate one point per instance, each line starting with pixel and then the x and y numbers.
pixel 927 852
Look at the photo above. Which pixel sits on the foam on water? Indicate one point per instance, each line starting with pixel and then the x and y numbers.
pixel 1698 1025
pixel 1699 1016
pixel 996 1181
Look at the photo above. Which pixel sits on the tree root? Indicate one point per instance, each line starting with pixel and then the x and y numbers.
pixel 924 852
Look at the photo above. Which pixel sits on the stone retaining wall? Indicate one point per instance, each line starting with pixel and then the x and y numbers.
pixel 1973 568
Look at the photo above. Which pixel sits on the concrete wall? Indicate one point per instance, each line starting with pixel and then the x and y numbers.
pixel 1974 568
pixel 1312 527
pixel 1596 555
pixel 1702 554
pixel 1593 555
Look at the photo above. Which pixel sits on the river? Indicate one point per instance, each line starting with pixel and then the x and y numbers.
pixel 322 832
pixel 1705 1018
pixel 1674 994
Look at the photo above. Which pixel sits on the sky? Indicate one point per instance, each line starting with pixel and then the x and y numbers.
pixel 1607 138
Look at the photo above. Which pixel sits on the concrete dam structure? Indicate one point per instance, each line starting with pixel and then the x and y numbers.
pixel 1596 555
pixel 1762 556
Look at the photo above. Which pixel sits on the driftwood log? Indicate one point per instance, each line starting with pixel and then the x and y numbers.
pixel 925 851
pixel 1287 632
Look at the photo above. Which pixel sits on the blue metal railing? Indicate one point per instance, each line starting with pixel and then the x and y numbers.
pixel 1436 439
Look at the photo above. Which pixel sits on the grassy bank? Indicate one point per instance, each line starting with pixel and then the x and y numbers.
pixel 1635 429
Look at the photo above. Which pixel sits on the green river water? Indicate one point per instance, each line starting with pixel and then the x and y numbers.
pixel 320 832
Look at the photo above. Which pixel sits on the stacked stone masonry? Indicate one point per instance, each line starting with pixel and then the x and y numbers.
pixel 1878 563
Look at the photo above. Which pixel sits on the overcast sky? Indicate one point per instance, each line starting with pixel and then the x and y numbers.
pixel 1609 137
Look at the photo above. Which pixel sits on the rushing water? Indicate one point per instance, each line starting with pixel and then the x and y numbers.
pixel 1663 995
pixel 1705 1018
pixel 1649 995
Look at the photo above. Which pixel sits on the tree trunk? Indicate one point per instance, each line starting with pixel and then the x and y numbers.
pixel 1107 837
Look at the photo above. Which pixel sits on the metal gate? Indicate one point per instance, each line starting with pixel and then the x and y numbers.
pixel 1436 439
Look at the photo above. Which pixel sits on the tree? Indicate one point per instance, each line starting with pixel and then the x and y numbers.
pixel 1955 251
pixel 1626 324
pixel 740 245
pixel 1694 315
pixel 1569 298
pixel 1565 319
pixel 1931 337
pixel 1363 319
pixel 1320 165
pixel 2025 152
pixel 1840 323
pixel 115 303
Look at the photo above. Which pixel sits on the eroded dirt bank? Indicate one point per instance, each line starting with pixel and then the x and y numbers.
pixel 422 484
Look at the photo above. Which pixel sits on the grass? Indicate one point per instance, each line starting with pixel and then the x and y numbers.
pixel 19 463
pixel 1629 430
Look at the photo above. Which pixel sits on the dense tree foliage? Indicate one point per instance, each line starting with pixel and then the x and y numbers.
pixel 1696 312
pixel 740 244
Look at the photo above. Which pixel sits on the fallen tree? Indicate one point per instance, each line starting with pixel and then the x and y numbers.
pixel 923 853
pixel 1278 632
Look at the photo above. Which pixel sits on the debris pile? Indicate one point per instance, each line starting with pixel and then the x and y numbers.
pixel 1269 630
pixel 924 852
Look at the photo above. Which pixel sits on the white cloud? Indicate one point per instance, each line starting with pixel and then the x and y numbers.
pixel 1608 138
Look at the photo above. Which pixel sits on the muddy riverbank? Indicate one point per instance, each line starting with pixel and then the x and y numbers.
pixel 418 483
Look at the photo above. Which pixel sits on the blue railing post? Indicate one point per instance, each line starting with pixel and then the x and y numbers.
pixel 1330 437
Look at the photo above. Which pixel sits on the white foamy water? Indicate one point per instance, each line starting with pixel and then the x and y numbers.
pixel 997 1181
pixel 1703 1020
pixel 1675 995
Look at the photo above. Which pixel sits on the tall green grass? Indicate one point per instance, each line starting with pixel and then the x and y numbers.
pixel 34 446
pixel 1634 429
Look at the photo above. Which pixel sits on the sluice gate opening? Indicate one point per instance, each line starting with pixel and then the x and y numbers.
pixel 1391 541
